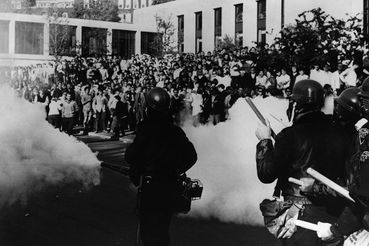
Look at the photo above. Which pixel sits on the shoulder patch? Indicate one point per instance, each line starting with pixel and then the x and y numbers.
pixel 364 156
pixel 363 132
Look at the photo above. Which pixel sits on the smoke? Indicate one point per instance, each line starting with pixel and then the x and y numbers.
pixel 226 163
pixel 33 154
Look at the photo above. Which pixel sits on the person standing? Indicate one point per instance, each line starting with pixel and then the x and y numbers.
pixel 301 76
pixel 69 109
pixel 86 101
pixel 283 81
pixel 349 76
pixel 120 115
pixel 99 106
pixel 353 222
pixel 55 109
pixel 315 141
pixel 139 105
pixel 158 155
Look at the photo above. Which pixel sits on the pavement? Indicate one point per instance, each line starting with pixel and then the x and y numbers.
pixel 104 215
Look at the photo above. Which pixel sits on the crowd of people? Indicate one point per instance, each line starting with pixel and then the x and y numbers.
pixel 108 93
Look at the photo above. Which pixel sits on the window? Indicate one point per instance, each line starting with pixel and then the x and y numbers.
pixel 29 38
pixel 180 33
pixel 148 45
pixel 198 32
pixel 239 24
pixel 261 21
pixel 199 21
pixel 4 37
pixel 94 41
pixel 217 26
pixel 62 40
pixel 366 19
pixel 123 43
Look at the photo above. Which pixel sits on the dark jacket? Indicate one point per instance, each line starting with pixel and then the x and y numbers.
pixel 218 105
pixel 121 109
pixel 160 149
pixel 312 141
pixel 356 215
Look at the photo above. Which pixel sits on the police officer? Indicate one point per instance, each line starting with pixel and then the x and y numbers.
pixel 352 112
pixel 159 154
pixel 312 141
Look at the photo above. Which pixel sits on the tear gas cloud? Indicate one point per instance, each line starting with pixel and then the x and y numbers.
pixel 33 154
pixel 226 163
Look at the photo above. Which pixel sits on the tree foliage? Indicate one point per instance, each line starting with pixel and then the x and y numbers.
pixel 227 43
pixel 104 10
pixel 315 38
pixel 61 35
pixel 163 42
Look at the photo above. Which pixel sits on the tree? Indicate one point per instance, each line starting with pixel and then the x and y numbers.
pixel 163 42
pixel 28 3
pixel 61 42
pixel 155 2
pixel 318 38
pixel 227 43
pixel 104 10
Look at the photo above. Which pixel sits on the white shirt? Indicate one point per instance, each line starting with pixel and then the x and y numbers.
pixel 176 73
pixel 226 80
pixel 283 81
pixel 326 78
pixel 315 74
pixel 336 81
pixel 160 84
pixel 261 80
pixel 301 77
pixel 349 77
pixel 55 107
pixel 196 104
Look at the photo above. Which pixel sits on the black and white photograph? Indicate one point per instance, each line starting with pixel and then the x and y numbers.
pixel 184 122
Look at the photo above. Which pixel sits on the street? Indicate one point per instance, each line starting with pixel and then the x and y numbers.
pixel 104 215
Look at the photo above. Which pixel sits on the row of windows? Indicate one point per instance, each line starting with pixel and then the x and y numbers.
pixel 261 26
pixel 217 28
pixel 29 39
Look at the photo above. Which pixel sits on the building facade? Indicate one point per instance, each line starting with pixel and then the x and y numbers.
pixel 32 39
pixel 54 3
pixel 200 25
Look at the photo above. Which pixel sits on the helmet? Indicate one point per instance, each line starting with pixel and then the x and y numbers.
pixel 365 86
pixel 308 93
pixel 348 104
pixel 158 100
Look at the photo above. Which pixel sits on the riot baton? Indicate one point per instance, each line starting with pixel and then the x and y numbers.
pixel 339 189
pixel 258 114
pixel 306 225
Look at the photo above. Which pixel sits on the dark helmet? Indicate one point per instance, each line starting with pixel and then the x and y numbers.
pixel 348 105
pixel 365 86
pixel 364 98
pixel 308 93
pixel 158 100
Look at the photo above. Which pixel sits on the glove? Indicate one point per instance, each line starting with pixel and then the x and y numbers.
pixel 324 231
pixel 263 131
pixel 289 227
pixel 307 184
